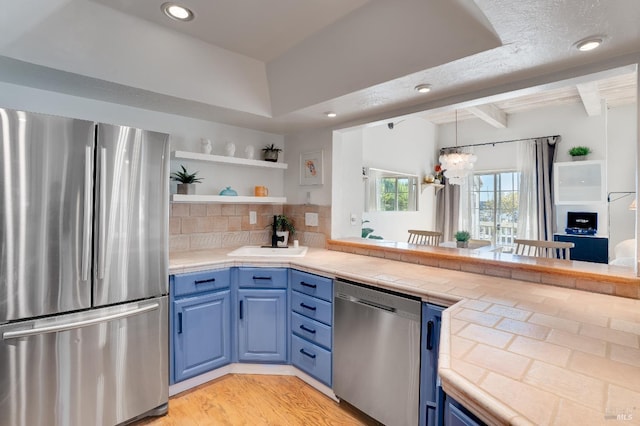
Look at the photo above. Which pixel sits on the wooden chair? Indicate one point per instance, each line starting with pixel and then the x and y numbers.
pixel 426 238
pixel 540 248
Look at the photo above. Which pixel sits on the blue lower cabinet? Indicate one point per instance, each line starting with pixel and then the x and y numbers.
pixel 311 330
pixel 311 359
pixel 311 307
pixel 455 414
pixel 262 325
pixel 201 334
pixel 429 345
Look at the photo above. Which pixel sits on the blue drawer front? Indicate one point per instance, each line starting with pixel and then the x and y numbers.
pixel 312 285
pixel 311 330
pixel 311 359
pixel 198 282
pixel 311 307
pixel 262 277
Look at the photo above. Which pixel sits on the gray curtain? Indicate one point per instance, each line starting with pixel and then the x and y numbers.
pixel 448 210
pixel 545 157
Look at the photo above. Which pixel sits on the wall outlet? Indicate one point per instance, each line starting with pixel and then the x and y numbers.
pixel 353 219
pixel 253 218
pixel 311 219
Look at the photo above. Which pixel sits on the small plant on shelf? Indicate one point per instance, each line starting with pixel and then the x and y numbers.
pixel 462 238
pixel 271 153
pixel 579 152
pixel 186 180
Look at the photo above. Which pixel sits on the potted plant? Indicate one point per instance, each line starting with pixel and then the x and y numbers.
pixel 578 153
pixel 271 153
pixel 284 228
pixel 187 181
pixel 462 239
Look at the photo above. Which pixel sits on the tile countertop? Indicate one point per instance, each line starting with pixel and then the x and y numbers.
pixel 513 352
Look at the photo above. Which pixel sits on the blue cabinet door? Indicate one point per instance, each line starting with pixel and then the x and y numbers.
pixel 430 343
pixel 587 248
pixel 455 414
pixel 262 325
pixel 201 334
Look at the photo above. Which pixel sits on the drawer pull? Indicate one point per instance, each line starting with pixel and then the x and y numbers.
pixel 179 322
pixel 308 330
pixel 261 278
pixel 241 309
pixel 303 352
pixel 308 285
pixel 311 308
pixel 430 335
pixel 210 280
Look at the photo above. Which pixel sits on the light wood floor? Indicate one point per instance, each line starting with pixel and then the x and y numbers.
pixel 243 399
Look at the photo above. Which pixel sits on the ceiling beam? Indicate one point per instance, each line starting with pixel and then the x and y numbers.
pixel 591 99
pixel 490 114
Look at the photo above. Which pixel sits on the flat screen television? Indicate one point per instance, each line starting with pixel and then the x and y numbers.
pixel 582 223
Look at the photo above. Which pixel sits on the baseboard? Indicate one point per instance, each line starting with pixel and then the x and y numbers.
pixel 241 368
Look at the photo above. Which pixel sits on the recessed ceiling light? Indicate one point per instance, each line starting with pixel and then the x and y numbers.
pixel 423 88
pixel 331 114
pixel 177 12
pixel 588 44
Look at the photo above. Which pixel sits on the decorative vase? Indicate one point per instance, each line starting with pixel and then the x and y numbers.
pixel 186 188
pixel 271 156
pixel 230 149
pixel 462 244
pixel 579 157
pixel 206 146
pixel 284 242
pixel 250 152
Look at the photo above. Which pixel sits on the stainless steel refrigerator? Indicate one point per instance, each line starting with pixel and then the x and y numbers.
pixel 83 271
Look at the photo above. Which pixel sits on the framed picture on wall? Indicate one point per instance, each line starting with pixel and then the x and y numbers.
pixel 311 168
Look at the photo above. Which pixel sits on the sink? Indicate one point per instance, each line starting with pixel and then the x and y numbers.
pixel 265 251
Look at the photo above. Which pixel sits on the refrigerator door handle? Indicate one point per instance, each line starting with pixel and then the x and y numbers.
pixel 86 233
pixel 102 212
pixel 78 324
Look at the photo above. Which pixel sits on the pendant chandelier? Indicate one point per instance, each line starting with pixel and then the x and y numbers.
pixel 457 164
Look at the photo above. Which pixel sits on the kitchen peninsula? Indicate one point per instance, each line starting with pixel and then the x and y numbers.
pixel 513 352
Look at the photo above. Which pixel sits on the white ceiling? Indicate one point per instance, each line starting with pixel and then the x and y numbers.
pixel 278 65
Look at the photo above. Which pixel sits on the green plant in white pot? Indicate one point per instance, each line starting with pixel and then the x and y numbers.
pixel 462 239
pixel 186 181
pixel 578 153
pixel 284 228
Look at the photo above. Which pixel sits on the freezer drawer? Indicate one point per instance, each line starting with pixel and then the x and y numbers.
pixel 99 367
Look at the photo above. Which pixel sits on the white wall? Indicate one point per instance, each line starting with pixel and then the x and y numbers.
pixel 348 185
pixel 185 135
pixel 301 143
pixel 408 148
pixel 621 172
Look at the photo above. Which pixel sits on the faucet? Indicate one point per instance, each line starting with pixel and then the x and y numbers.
pixel 274 236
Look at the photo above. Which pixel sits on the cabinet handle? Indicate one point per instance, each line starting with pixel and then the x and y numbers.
pixel 210 280
pixel 261 278
pixel 309 330
pixel 241 309
pixel 308 285
pixel 312 308
pixel 303 352
pixel 430 335
pixel 179 322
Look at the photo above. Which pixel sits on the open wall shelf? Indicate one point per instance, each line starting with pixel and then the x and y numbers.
pixel 196 156
pixel 181 198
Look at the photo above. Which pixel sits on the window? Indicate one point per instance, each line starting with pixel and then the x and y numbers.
pixel 390 191
pixel 495 199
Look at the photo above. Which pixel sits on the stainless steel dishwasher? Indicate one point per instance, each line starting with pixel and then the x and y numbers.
pixel 376 352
